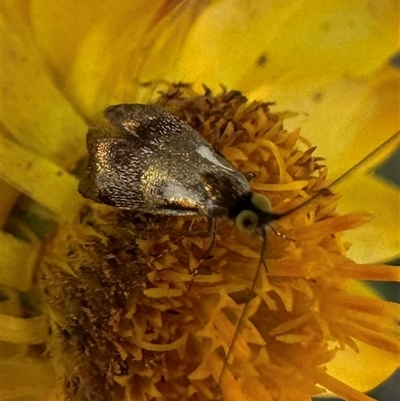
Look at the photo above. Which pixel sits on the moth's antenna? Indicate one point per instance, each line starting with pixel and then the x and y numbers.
pixel 246 307
pixel 394 138
pixel 262 262
pixel 263 250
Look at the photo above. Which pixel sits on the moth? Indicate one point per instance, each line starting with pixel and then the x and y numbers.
pixel 146 160
pixel 151 162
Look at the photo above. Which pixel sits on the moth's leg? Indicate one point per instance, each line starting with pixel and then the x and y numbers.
pixel 280 234
pixel 199 233
pixel 202 233
pixel 212 226
pixel 249 176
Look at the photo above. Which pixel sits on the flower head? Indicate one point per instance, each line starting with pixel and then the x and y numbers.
pixel 155 329
pixel 129 319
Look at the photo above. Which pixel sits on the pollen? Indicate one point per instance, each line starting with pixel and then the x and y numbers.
pixel 139 311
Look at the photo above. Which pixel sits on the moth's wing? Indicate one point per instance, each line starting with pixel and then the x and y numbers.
pixel 144 159
pixel 112 172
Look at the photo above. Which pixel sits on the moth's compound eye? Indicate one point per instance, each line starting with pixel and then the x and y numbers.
pixel 246 220
pixel 261 202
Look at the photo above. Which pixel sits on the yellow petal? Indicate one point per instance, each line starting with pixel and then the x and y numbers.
pixel 17 330
pixel 34 111
pixel 103 65
pixel 11 303
pixel 354 369
pixel 43 181
pixel 73 24
pixel 8 196
pixel 350 118
pixel 378 239
pixel 284 46
pixel 24 378
pixel 18 262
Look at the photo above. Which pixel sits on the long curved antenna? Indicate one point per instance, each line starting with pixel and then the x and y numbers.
pixel 246 307
pixel 394 138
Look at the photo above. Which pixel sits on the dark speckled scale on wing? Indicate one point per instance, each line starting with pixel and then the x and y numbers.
pixel 145 159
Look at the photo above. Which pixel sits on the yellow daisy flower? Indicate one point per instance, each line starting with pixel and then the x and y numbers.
pixel 146 329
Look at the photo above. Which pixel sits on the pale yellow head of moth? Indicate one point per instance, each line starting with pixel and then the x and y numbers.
pixel 248 220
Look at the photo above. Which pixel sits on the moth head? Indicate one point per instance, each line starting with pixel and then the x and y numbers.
pixel 258 214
